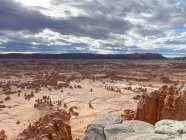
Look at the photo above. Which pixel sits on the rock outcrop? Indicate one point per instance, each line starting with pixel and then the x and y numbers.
pixel 113 127
pixel 171 127
pixel 169 102
pixel 50 127
pixel 3 135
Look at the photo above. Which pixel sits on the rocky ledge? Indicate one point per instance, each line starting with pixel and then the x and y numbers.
pixel 113 127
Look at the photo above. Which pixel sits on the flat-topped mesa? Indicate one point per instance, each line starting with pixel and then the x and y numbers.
pixel 169 102
pixel 133 56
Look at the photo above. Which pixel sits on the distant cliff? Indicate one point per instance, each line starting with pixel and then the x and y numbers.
pixel 135 56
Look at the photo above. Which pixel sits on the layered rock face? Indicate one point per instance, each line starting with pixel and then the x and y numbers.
pixel 51 126
pixel 169 102
pixel 113 127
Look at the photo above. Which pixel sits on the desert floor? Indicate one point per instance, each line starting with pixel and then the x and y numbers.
pixel 90 87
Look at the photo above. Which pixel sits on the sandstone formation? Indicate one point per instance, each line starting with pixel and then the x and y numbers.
pixel 113 127
pixel 169 102
pixel 51 126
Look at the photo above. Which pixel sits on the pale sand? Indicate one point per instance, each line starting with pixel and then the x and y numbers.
pixel 102 100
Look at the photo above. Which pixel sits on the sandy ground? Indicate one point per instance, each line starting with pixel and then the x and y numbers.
pixel 104 93
pixel 102 100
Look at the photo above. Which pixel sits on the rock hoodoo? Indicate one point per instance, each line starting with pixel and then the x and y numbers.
pixel 51 126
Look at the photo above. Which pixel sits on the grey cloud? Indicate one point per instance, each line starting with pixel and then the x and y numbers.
pixel 168 13
pixel 19 46
pixel 162 13
pixel 15 16
pixel 103 17
pixel 175 42
pixel 144 31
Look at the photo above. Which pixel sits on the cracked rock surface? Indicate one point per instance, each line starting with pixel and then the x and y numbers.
pixel 113 127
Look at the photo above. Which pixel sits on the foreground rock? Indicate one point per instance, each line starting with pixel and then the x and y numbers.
pixel 50 127
pixel 113 127
pixel 171 127
pixel 169 102
pixel 95 131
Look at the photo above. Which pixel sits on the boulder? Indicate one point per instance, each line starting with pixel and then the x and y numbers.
pixel 95 130
pixel 127 129
pixel 113 127
pixel 102 129
pixel 118 132
pixel 170 127
pixel 107 119
pixel 139 126
pixel 149 137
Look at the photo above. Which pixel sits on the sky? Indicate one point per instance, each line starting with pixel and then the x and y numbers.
pixel 93 26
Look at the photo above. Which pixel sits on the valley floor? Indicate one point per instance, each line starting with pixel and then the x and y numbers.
pixel 85 89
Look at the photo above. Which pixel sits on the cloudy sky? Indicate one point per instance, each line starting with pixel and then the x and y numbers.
pixel 93 26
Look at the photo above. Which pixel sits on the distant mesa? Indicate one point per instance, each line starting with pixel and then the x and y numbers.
pixel 180 58
pixel 134 56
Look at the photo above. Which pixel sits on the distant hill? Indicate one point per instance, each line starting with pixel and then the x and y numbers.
pixel 135 56
pixel 179 58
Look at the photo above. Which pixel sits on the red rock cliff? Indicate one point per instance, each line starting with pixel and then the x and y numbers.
pixel 169 102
